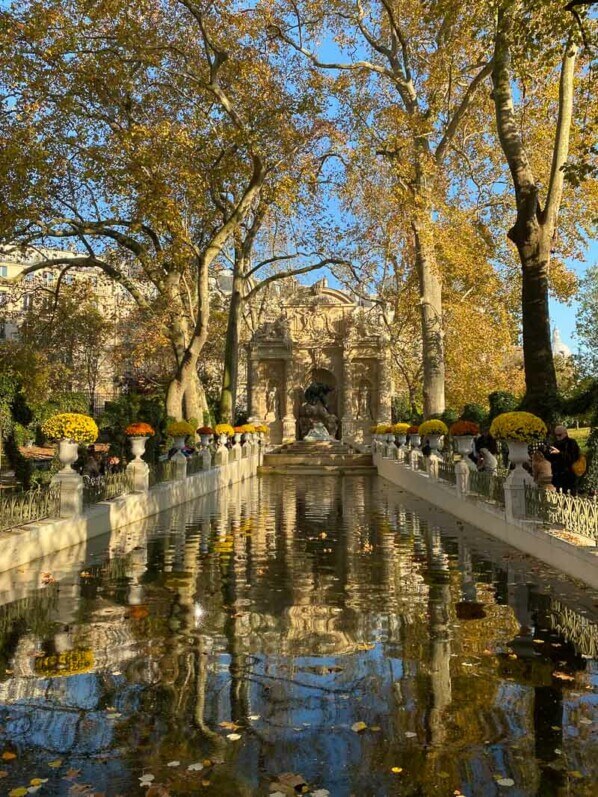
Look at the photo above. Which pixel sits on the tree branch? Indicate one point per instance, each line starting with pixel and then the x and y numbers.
pixel 560 151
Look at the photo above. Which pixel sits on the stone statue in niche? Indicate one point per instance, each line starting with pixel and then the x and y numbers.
pixel 314 411
pixel 273 402
pixel 364 401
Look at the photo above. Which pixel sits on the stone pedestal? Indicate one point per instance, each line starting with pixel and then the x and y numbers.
pixel 221 456
pixel 180 465
pixel 71 493
pixel 462 472
pixel 515 492
pixel 235 453
pixel 138 470
pixel 289 428
pixel 206 459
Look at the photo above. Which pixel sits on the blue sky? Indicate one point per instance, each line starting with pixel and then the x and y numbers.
pixel 562 315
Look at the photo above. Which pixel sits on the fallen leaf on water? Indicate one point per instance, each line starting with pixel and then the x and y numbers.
pixel 234 737
pixel 575 773
pixel 38 781
pixel 358 727
pixel 365 646
pixel 585 721
pixel 232 726
pixel 375 728
pixel 72 774
pixel 173 764
pixel 320 793
pixel 563 676
pixel 443 775
pixel 3 774
pixel 8 756
pixel 55 764
pixel 397 770
pixel 254 717
pixel 147 779
pixel 505 782
pixel 20 791
pixel 195 767
pixel 410 734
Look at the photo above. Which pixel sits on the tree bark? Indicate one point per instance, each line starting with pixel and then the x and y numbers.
pixel 535 227
pixel 540 374
pixel 194 399
pixel 430 287
pixel 231 354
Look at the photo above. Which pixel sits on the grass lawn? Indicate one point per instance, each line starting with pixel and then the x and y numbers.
pixel 581 435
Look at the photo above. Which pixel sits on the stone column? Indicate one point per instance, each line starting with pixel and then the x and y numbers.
pixel 252 366
pixel 347 420
pixel 289 428
pixel 384 383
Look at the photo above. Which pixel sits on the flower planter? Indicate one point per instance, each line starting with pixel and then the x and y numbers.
pixel 222 439
pixel 237 437
pixel 402 439
pixel 205 439
pixel 518 452
pixel 68 451
pixel 179 443
pixel 415 440
pixel 138 447
pixel 463 444
pixel 434 442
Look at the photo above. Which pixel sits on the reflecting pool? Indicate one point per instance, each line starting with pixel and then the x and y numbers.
pixel 318 635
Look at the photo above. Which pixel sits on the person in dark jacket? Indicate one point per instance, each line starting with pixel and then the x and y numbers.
pixel 562 455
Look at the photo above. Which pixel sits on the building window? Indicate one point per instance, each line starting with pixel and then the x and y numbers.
pixel 3 271
pixel 2 330
pixel 27 301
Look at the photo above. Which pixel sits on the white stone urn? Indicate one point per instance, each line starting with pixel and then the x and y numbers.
pixel 464 443
pixel 415 440
pixel 179 443
pixel 222 439
pixel 204 439
pixel 68 451
pixel 390 438
pixel 518 453
pixel 138 447
pixel 402 438
pixel 434 442
pixel 237 437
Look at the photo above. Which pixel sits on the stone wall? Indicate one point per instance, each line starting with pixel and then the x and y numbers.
pixel 26 544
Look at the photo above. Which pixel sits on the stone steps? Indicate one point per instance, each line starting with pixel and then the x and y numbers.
pixel 317 456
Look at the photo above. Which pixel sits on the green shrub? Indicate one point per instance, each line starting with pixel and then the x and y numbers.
pixel 501 401
pixel 474 412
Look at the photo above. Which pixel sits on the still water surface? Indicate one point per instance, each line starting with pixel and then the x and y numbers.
pixel 334 629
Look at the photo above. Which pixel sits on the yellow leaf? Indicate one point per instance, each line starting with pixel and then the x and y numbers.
pixel 358 727
pixel 8 756
pixel 20 791
pixel 55 764
pixel 397 770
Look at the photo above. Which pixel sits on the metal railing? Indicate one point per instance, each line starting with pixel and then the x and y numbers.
pixel 574 512
pixel 104 488
pixel 488 486
pixel 446 471
pixel 162 471
pixel 38 503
